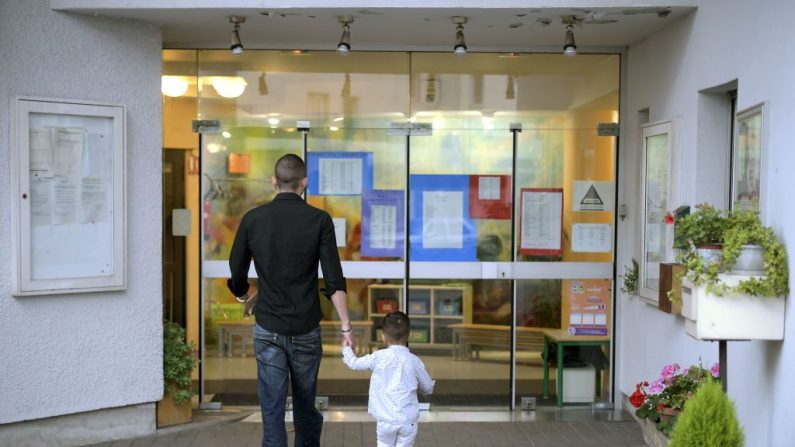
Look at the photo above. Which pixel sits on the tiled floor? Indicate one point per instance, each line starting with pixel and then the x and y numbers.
pixel 481 429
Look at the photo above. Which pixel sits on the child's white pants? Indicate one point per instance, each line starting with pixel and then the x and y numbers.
pixel 395 435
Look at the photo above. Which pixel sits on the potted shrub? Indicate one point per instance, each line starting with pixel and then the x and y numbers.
pixel 702 231
pixel 178 363
pixel 708 419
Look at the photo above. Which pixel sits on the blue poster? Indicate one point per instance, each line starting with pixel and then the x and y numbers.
pixel 382 223
pixel 441 229
pixel 339 173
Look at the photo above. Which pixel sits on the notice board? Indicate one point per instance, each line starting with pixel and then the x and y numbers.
pixel 68 186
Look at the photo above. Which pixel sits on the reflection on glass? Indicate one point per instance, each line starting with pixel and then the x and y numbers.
pixel 748 161
pixel 559 308
pixel 656 236
pixel 469 319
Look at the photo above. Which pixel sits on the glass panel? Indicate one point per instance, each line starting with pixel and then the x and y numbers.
pixel 655 234
pixel 460 204
pixel 467 321
pixel 748 161
pixel 576 311
pixel 372 164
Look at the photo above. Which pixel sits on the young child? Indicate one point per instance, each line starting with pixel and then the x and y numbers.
pixel 397 373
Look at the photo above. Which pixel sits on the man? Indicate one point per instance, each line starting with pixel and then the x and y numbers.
pixel 286 238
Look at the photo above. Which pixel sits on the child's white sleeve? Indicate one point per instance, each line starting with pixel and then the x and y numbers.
pixel 357 363
pixel 423 378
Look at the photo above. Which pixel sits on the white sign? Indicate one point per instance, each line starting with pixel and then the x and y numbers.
pixel 340 176
pixel 489 188
pixel 591 238
pixel 443 219
pixel 593 196
pixel 383 226
pixel 339 230
pixel 541 220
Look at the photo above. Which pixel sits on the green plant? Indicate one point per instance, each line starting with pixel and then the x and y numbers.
pixel 709 419
pixel 704 226
pixel 630 276
pixel 178 362
pixel 671 391
pixel 741 228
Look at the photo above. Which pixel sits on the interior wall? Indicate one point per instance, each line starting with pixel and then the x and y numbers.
pixel 75 353
pixel 719 43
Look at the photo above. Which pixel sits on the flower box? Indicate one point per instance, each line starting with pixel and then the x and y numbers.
pixel 735 316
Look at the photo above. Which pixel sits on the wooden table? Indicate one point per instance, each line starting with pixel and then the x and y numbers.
pixel 470 337
pixel 244 328
pixel 562 339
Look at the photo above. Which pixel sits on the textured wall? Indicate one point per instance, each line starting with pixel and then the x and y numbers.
pixel 721 42
pixel 74 353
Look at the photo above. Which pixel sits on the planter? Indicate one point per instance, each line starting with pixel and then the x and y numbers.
pixel 709 253
pixel 169 413
pixel 652 436
pixel 734 316
pixel 751 261
pixel 689 309
pixel 669 414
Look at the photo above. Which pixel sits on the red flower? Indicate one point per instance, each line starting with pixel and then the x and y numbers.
pixel 669 219
pixel 660 406
pixel 637 398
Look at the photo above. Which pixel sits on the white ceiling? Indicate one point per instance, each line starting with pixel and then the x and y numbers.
pixel 489 29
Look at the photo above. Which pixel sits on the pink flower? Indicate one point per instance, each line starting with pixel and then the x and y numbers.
pixel 669 371
pixel 715 370
pixel 656 387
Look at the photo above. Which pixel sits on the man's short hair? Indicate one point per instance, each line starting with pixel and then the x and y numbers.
pixel 289 172
pixel 396 327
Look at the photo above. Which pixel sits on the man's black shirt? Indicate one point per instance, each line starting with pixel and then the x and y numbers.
pixel 286 238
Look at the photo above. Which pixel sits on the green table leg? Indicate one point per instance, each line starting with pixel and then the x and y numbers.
pixel 559 384
pixel 546 367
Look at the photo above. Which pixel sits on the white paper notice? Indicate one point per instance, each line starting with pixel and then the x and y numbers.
pixel 541 220
pixel 339 230
pixel 340 176
pixel 40 201
pixel 443 219
pixel 41 151
pixel 591 238
pixel 98 152
pixel 93 198
pixel 66 203
pixel 383 226
pixel 68 152
pixel 489 188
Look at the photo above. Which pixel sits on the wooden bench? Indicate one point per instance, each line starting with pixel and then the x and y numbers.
pixel 470 338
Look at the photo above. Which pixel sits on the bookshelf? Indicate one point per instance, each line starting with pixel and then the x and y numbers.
pixel 431 309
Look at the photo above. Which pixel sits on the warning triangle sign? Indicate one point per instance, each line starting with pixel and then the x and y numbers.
pixel 592 197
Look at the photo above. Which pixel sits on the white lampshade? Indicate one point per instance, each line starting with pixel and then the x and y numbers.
pixel 228 86
pixel 173 86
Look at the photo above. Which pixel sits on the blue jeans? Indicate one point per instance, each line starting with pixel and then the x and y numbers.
pixel 297 357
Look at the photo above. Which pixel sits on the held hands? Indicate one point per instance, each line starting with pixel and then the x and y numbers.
pixel 347 338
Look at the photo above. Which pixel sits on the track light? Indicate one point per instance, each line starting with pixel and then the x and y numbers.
pixel 344 47
pixel 569 48
pixel 262 85
pixel 237 46
pixel 460 48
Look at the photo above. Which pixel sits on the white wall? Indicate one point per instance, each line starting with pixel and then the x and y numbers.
pixel 76 353
pixel 724 40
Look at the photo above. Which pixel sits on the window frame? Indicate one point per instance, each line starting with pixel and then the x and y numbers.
pixel 739 116
pixel 665 127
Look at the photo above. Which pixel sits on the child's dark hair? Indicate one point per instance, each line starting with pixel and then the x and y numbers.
pixel 396 327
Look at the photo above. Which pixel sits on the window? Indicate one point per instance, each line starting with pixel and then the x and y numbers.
pixel 656 177
pixel 747 160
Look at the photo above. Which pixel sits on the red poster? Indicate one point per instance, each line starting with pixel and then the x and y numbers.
pixel 490 196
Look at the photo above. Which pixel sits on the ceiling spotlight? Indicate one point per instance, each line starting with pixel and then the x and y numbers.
pixel 510 92
pixel 344 47
pixel 262 86
pixel 460 48
pixel 236 47
pixel 569 47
